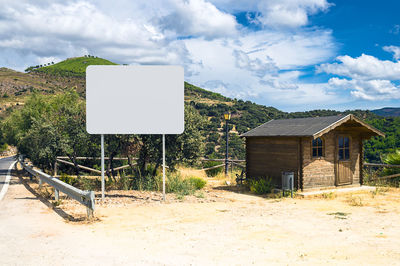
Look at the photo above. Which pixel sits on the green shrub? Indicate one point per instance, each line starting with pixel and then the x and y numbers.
pixel 176 184
pixel 81 183
pixel 147 183
pixel 67 179
pixel 261 186
pixel 3 147
pixel 123 182
pixel 393 159
pixel 215 171
pixel 197 182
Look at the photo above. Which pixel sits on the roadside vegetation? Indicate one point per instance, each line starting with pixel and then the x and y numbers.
pixel 42 113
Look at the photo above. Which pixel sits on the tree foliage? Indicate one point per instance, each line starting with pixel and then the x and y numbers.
pixel 50 126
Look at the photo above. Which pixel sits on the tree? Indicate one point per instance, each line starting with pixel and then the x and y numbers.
pixel 184 148
pixel 48 126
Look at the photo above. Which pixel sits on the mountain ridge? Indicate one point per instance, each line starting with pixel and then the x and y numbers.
pixel 387 111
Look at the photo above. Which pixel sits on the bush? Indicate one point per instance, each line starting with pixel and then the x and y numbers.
pixel 197 182
pixel 215 171
pixel 123 182
pixel 148 182
pixel 3 147
pixel 81 183
pixel 176 184
pixel 67 179
pixel 393 159
pixel 261 186
pixel 182 187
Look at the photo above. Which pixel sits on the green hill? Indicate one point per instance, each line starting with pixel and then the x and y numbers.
pixel 71 67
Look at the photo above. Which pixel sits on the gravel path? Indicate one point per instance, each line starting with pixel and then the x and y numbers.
pixel 239 230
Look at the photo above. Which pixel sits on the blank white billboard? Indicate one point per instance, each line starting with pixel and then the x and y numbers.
pixel 134 100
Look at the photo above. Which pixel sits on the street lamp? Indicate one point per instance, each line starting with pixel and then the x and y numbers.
pixel 227 116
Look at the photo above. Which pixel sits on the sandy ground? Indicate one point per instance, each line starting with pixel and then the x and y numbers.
pixel 223 228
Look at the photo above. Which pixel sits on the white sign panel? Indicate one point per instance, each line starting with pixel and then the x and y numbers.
pixel 134 100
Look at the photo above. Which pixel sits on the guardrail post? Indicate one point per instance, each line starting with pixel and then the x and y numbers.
pixel 90 208
pixel 56 194
pixel 86 198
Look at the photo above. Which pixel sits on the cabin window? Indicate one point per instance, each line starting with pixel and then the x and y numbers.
pixel 317 147
pixel 344 148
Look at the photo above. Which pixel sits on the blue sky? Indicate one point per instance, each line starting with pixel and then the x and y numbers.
pixel 294 55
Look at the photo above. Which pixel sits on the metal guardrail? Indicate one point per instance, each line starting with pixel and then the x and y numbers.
pixel 82 196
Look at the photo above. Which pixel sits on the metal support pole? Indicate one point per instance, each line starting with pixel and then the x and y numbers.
pixel 55 168
pixel 226 152
pixel 291 186
pixel 102 167
pixel 163 166
pixel 56 194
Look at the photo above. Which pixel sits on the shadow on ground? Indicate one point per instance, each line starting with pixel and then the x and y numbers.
pixel 242 189
pixel 67 217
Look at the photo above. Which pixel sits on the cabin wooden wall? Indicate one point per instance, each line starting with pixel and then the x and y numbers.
pixel 319 172
pixel 269 157
pixel 356 157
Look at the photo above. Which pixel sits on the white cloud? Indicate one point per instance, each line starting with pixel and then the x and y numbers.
pixel 363 67
pixel 79 24
pixel 290 13
pixel 259 67
pixel 199 18
pixel 220 55
pixel 371 90
pixel 366 77
pixel 246 68
pixel 277 13
pixel 393 49
pixel 292 50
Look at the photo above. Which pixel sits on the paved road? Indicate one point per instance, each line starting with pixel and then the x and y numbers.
pixel 4 165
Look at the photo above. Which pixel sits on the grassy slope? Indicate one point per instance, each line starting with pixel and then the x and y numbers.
pixel 73 66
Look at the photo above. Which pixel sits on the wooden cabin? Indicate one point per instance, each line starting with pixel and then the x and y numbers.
pixel 322 152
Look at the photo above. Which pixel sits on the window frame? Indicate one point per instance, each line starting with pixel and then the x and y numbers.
pixel 344 148
pixel 317 147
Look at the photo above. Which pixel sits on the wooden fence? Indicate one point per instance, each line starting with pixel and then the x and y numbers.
pixel 62 159
pixel 370 165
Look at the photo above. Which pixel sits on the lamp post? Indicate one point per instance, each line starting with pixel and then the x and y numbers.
pixel 227 116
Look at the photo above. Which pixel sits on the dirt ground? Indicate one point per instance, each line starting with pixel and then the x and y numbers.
pixel 216 227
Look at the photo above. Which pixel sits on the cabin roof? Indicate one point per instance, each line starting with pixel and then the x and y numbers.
pixel 307 127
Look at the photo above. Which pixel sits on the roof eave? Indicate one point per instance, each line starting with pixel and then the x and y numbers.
pixel 348 117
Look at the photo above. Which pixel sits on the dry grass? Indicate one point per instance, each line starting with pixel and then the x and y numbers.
pixel 187 172
pixel 330 195
pixel 355 200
